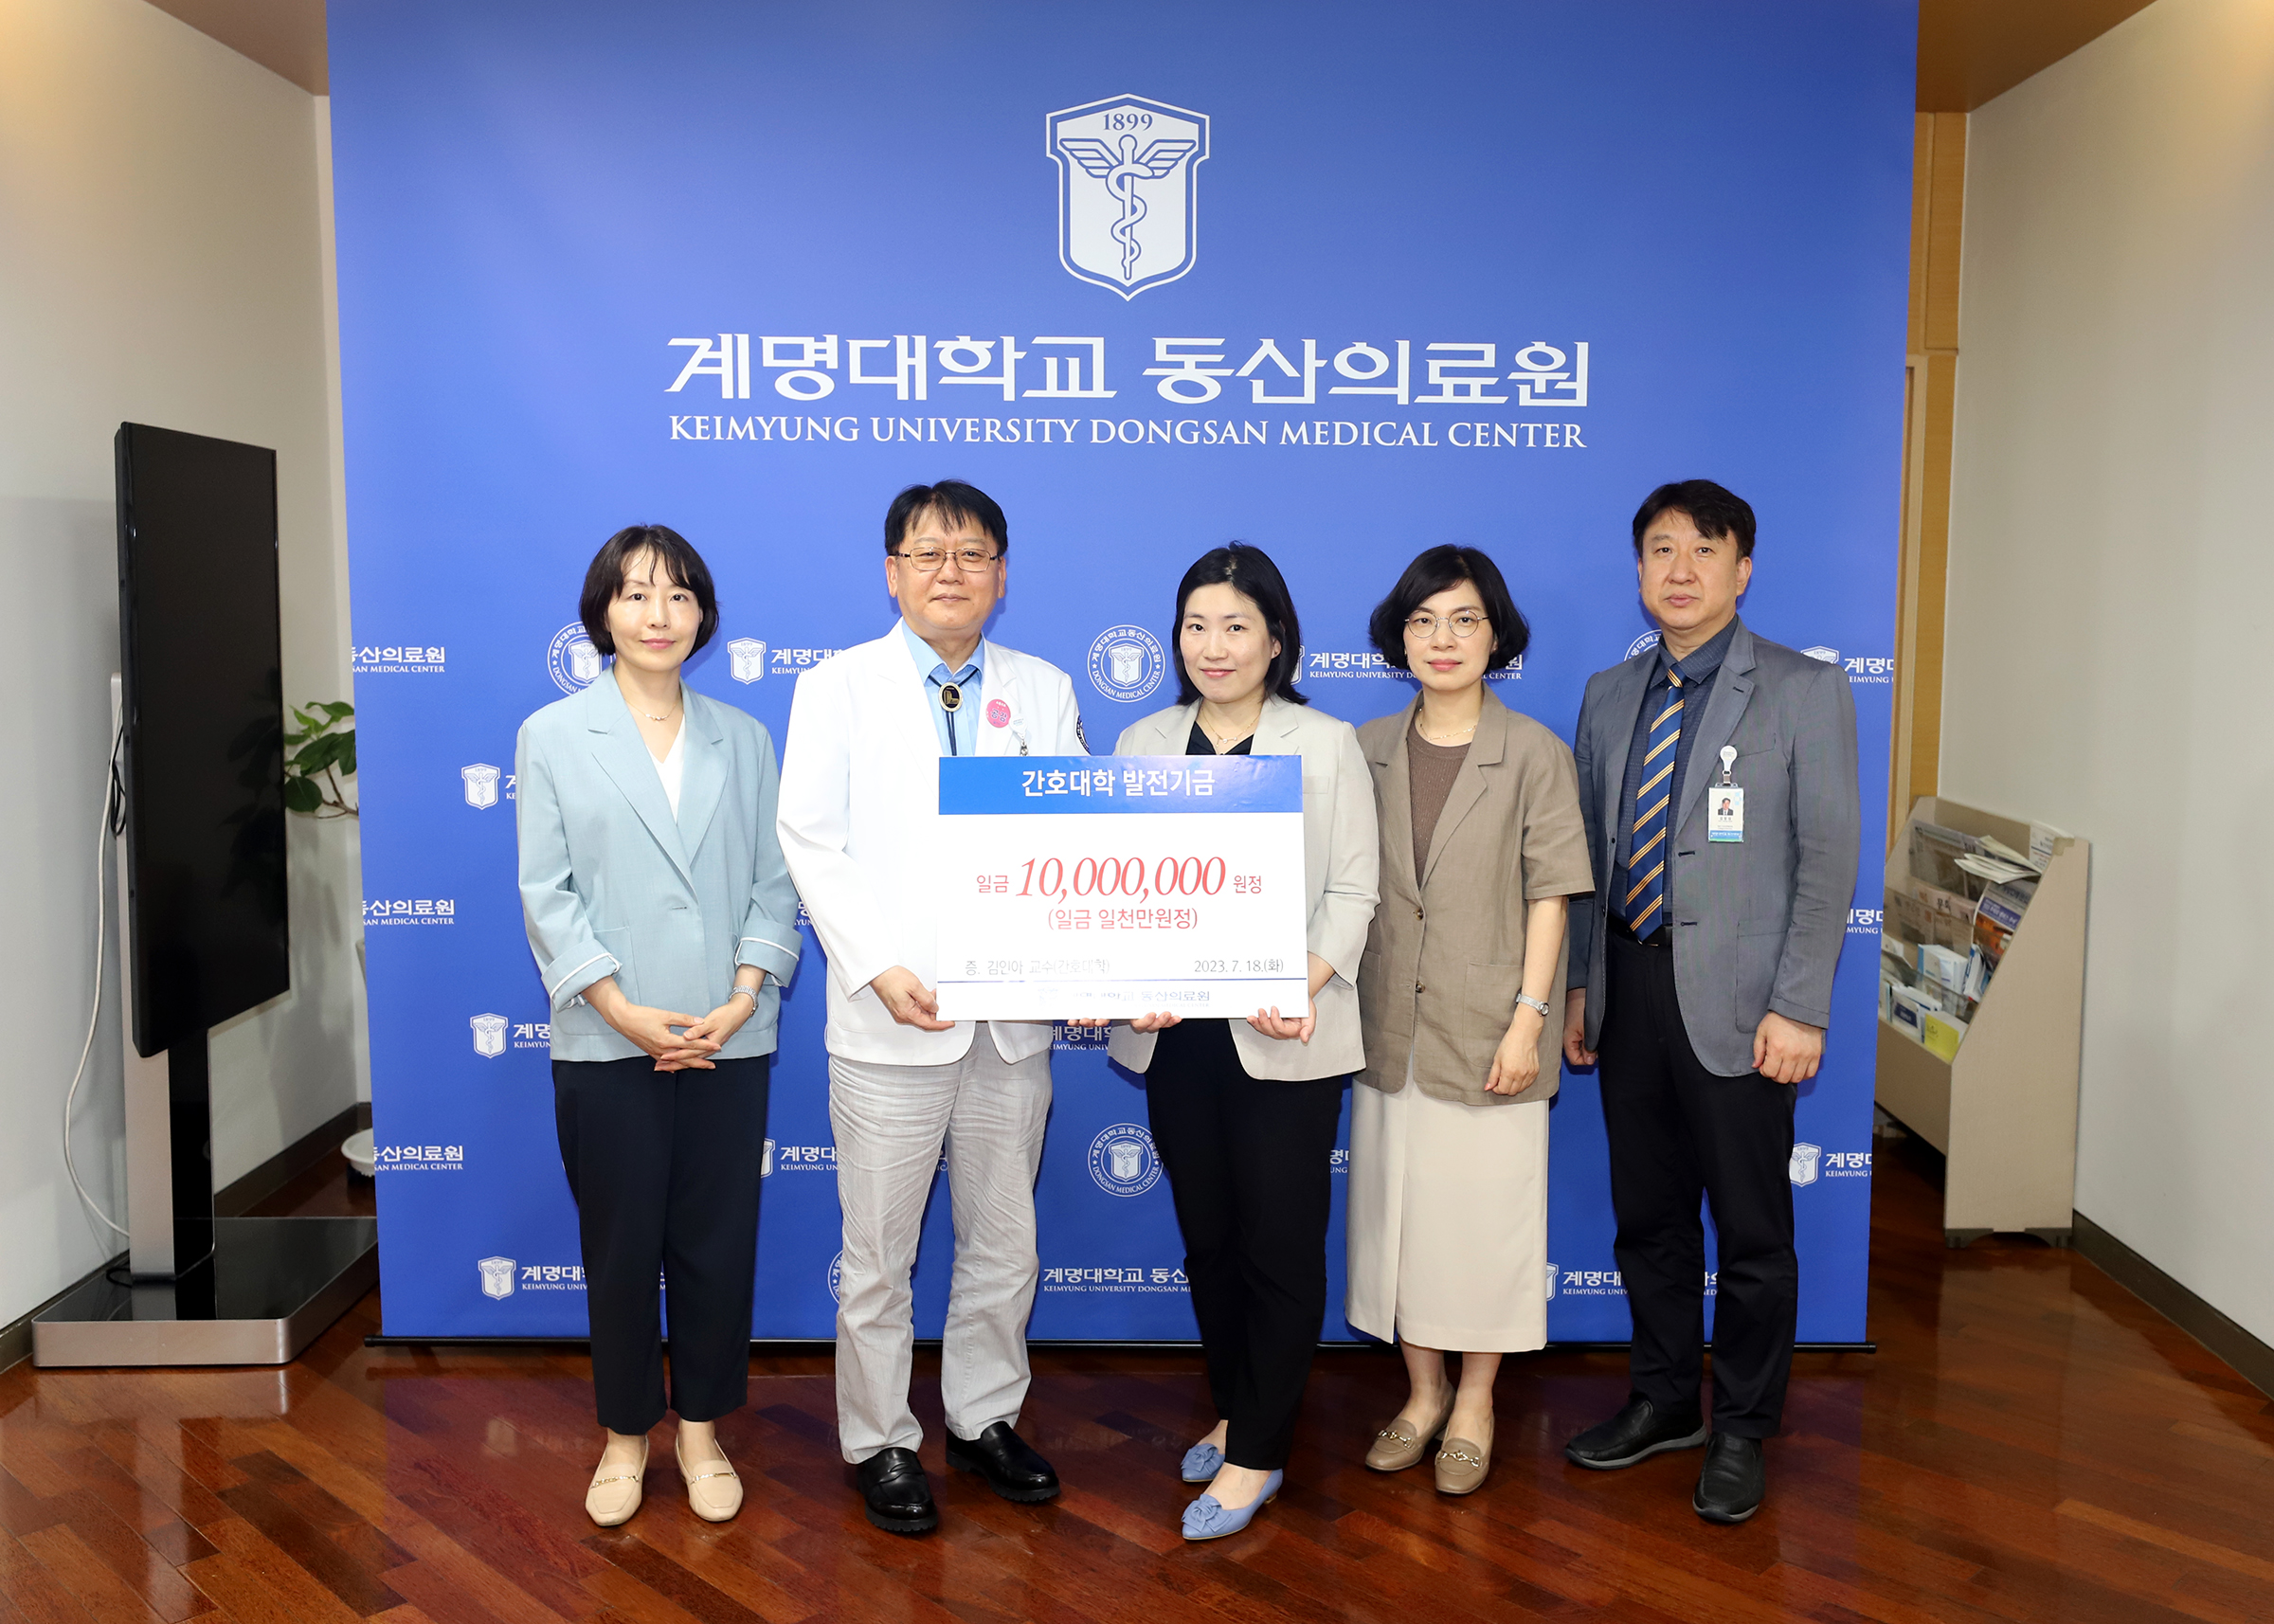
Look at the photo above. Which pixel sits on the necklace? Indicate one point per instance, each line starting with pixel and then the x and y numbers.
pixel 1457 734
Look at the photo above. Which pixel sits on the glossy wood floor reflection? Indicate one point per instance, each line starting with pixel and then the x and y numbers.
pixel 2030 1443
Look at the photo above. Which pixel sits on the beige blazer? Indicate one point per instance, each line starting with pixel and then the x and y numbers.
pixel 1444 960
pixel 1340 853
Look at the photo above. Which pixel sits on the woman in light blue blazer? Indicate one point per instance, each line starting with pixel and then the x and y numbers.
pixel 663 921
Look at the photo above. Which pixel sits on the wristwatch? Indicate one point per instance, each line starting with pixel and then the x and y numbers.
pixel 1538 1003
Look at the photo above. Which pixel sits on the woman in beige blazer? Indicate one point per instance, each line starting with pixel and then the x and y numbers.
pixel 1482 844
pixel 1244 1111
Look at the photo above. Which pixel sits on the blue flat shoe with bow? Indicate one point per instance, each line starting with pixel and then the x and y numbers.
pixel 1201 1463
pixel 1207 1518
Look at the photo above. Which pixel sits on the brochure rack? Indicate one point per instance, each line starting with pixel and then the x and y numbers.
pixel 2004 1112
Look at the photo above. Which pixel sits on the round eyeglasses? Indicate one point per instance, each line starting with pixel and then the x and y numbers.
pixel 1461 624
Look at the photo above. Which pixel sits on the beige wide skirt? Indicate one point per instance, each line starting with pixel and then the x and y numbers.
pixel 1448 1221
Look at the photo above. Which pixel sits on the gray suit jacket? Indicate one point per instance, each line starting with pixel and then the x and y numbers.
pixel 612 884
pixel 1342 861
pixel 1757 924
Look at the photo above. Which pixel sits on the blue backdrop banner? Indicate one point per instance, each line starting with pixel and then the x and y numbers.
pixel 1344 280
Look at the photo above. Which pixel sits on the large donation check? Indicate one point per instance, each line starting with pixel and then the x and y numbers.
pixel 1085 886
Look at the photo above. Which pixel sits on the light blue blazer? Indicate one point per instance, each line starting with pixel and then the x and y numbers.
pixel 612 885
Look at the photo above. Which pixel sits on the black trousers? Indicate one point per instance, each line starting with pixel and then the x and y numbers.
pixel 1248 1163
pixel 1678 1131
pixel 665 1168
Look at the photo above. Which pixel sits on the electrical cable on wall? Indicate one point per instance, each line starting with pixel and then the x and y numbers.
pixel 112 822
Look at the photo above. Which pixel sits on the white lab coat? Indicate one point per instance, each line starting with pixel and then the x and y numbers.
pixel 860 826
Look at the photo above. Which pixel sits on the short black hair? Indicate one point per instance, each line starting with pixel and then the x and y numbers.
pixel 1250 571
pixel 1716 512
pixel 1432 572
pixel 951 500
pixel 682 566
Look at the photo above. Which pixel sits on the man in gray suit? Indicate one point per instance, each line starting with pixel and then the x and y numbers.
pixel 1701 973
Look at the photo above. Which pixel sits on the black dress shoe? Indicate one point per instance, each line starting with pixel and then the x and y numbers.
pixel 1732 1481
pixel 899 1498
pixel 1636 1432
pixel 1001 1457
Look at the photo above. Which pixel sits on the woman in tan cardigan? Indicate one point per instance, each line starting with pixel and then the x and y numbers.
pixel 1482 844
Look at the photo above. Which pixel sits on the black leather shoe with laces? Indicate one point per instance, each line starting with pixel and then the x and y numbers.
pixel 1636 1432
pixel 895 1492
pixel 1732 1481
pixel 1002 1457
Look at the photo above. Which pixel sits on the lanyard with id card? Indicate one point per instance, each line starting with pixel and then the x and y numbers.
pixel 1726 804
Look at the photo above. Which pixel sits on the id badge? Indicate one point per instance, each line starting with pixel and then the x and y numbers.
pixel 1725 812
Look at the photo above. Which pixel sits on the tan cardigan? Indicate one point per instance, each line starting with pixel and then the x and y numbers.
pixel 1444 958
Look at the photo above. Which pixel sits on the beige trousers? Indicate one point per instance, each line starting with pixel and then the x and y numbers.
pixel 893 1124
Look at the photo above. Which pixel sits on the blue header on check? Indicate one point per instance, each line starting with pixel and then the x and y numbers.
pixel 971 784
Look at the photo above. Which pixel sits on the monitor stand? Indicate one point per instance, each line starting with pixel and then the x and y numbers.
pixel 197 1289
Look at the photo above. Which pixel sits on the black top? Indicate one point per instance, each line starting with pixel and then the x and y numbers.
pixel 1200 744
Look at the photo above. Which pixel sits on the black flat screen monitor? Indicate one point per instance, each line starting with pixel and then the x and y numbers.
pixel 203 760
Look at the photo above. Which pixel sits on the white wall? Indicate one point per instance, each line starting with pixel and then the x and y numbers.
pixel 2109 591
pixel 162 260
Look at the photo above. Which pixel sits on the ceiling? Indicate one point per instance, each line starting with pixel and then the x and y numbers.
pixel 1969 50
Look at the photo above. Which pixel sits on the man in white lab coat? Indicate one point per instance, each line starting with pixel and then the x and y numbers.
pixel 859 827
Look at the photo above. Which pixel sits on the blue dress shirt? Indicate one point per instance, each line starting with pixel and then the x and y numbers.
pixel 959 731
pixel 1698 673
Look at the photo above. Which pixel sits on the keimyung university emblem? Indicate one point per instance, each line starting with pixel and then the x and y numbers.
pixel 482 784
pixel 1807 1159
pixel 489 1034
pixel 497 1277
pixel 1127 191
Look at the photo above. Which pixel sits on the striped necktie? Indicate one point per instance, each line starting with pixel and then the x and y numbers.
pixel 1644 907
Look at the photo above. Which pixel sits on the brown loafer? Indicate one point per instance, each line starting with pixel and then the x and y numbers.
pixel 1398 1445
pixel 1462 1465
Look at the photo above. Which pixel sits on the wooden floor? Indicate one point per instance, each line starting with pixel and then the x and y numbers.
pixel 2030 1442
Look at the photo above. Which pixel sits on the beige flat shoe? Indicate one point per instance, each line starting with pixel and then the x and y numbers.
pixel 611 1500
pixel 1462 1466
pixel 1399 1445
pixel 715 1493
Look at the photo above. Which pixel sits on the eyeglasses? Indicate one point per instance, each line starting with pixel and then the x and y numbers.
pixel 1461 624
pixel 927 560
